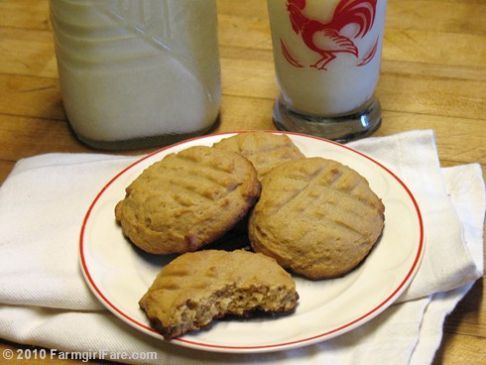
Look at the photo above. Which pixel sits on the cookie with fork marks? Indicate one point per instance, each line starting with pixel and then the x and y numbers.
pixel 316 217
pixel 198 287
pixel 187 200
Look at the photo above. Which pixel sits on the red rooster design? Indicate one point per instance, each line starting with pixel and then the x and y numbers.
pixel 326 38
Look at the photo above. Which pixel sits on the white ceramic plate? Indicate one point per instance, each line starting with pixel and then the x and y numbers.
pixel 119 275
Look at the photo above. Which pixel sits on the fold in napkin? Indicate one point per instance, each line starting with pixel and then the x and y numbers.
pixel 45 302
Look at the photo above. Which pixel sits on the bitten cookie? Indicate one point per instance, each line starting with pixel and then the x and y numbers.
pixel 187 200
pixel 196 288
pixel 316 217
pixel 265 150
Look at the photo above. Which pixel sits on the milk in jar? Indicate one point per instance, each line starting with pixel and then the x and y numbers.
pixel 327 53
pixel 137 72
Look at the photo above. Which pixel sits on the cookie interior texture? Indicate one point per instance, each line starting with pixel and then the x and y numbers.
pixel 264 150
pixel 316 217
pixel 187 200
pixel 196 288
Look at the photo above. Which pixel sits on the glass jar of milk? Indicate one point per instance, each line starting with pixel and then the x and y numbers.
pixel 136 73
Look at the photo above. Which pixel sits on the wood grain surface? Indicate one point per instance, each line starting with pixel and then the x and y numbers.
pixel 433 76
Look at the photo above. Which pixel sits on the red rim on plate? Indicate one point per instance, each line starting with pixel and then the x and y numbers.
pixel 258 348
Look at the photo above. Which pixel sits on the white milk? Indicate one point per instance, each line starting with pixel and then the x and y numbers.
pixel 137 68
pixel 343 86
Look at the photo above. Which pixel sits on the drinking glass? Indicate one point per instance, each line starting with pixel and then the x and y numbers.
pixel 327 57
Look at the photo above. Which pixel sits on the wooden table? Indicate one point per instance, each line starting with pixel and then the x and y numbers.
pixel 433 76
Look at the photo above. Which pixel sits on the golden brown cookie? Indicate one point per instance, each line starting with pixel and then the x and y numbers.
pixel 187 200
pixel 265 150
pixel 316 217
pixel 198 287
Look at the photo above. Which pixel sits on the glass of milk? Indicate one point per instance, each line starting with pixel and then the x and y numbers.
pixel 327 58
pixel 137 73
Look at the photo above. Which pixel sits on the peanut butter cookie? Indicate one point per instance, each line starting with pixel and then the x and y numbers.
pixel 187 200
pixel 316 217
pixel 196 288
pixel 265 150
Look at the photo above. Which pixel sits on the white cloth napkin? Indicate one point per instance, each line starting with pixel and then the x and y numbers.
pixel 44 301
